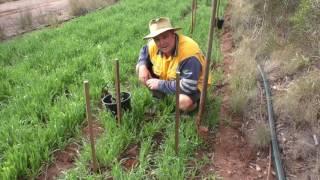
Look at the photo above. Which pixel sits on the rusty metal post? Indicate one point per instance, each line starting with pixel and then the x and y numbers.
pixel 207 65
pixel 177 113
pixel 89 119
pixel 118 98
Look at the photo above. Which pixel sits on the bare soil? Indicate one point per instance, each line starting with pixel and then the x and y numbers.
pixel 65 159
pixel 129 158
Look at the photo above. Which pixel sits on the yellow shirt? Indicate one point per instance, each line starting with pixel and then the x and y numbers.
pixel 166 68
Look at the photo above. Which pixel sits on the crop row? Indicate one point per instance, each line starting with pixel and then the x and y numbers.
pixel 41 94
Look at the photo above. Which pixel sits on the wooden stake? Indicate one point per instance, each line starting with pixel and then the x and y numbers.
pixel 193 15
pixel 89 119
pixel 207 65
pixel 118 93
pixel 218 9
pixel 177 113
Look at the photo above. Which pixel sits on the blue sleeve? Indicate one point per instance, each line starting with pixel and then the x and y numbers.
pixel 144 58
pixel 190 70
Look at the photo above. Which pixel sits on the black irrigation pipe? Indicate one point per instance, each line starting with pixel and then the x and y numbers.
pixel 275 146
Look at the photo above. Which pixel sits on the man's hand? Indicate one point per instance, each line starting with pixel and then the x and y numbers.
pixel 153 83
pixel 143 74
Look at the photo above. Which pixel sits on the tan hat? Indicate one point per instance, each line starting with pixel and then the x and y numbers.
pixel 158 26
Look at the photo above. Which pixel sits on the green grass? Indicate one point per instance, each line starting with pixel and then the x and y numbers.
pixel 42 103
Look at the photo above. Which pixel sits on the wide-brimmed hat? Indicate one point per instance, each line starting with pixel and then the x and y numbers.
pixel 158 26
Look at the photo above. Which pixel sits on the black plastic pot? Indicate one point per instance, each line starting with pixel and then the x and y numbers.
pixel 220 23
pixel 110 102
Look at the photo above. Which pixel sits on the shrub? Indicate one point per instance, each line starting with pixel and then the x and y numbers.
pixel 25 20
pixel 2 34
pixel 261 137
pixel 81 7
pixel 77 8
pixel 243 78
pixel 302 102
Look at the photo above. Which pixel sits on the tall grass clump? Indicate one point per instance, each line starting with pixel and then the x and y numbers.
pixel 301 103
pixel 243 78
pixel 2 34
pixel 261 136
pixel 306 25
pixel 25 20
pixel 81 7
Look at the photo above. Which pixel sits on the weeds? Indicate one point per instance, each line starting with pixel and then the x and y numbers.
pixel 261 136
pixel 302 101
pixel 81 7
pixel 296 64
pixel 302 15
pixel 303 148
pixel 243 78
pixel 306 25
pixel 2 34
pixel 25 20
pixel 47 19
pixel 52 19
pixel 78 8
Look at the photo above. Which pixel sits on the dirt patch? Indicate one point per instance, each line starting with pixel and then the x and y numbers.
pixel 158 139
pixel 96 130
pixel 234 157
pixel 63 160
pixel 129 158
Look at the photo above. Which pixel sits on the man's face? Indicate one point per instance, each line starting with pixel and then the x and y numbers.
pixel 165 42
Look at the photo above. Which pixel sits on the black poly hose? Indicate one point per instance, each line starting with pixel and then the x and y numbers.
pixel 275 146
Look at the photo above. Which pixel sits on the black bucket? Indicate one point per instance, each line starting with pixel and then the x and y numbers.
pixel 220 23
pixel 110 102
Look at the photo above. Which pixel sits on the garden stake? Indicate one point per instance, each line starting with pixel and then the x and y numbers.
pixel 118 93
pixel 206 75
pixel 193 15
pixel 218 9
pixel 177 113
pixel 89 119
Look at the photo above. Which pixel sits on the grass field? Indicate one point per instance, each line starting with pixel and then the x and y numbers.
pixel 43 106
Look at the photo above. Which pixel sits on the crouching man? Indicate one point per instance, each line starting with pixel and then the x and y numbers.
pixel 165 53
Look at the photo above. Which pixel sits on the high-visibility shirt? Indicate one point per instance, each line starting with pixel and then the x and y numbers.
pixel 186 58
